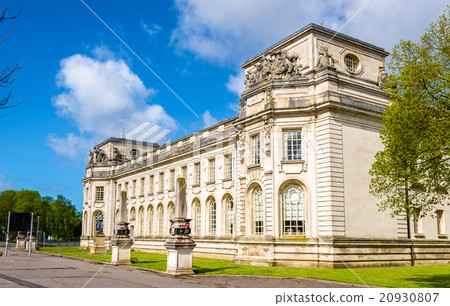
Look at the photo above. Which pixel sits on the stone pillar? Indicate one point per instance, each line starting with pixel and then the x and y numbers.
pixel 121 249
pixel 33 243
pixel 121 242
pixel 21 241
pixel 180 244
pixel 99 246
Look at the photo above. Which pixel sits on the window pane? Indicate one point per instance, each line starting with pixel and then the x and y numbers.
pixel 292 144
pixel 258 212
pixel 293 210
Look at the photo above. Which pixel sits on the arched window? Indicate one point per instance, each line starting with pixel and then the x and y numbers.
pixel 293 210
pixel 258 212
pixel 141 221
pixel 150 220
pixel 229 222
pixel 212 217
pixel 197 216
pixel 160 213
pixel 171 211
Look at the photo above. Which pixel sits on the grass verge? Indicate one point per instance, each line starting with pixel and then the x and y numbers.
pixel 408 277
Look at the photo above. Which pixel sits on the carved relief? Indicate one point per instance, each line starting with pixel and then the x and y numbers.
pixel 325 59
pixel 241 143
pixel 382 77
pixel 268 124
pixel 279 65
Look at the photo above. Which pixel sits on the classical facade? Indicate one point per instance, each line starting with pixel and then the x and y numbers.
pixel 286 181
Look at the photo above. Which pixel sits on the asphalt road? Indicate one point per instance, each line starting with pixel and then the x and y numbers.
pixel 17 270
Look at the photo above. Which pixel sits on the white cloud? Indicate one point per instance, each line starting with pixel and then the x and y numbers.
pixel 234 106
pixel 235 83
pixel 226 31
pixel 208 119
pixel 101 96
pixel 229 32
pixel 71 146
pixel 151 30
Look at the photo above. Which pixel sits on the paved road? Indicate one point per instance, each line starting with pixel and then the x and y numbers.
pixel 17 270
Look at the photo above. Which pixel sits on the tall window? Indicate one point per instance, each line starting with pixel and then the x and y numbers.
pixel 172 179
pixel 212 170
pixel 133 191
pixel 197 173
pixel 198 218
pixel 99 193
pixel 150 220
pixel 160 219
pixel 256 150
pixel 141 191
pixel 440 222
pixel 230 216
pixel 418 226
pixel 161 182
pixel 151 184
pixel 171 211
pixel 228 166
pixel 184 172
pixel 141 221
pixel 293 210
pixel 212 217
pixel 292 144
pixel 258 212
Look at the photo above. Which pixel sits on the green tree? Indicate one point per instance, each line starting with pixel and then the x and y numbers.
pixel 66 220
pixel 412 173
pixel 6 205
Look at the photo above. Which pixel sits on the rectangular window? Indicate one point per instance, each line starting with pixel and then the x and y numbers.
pixel 172 179
pixel 440 222
pixel 133 191
pixel 256 150
pixel 292 142
pixel 212 170
pixel 150 184
pixel 142 186
pixel 197 173
pixel 161 182
pixel 99 193
pixel 228 166
pixel 418 226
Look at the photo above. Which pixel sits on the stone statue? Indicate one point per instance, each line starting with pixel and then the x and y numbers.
pixel 382 77
pixel 274 66
pixel 99 223
pixel 325 59
pixel 117 156
pixel 91 157
pixel 100 156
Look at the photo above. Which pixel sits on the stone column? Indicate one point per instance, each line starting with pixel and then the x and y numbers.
pixel 121 242
pixel 180 244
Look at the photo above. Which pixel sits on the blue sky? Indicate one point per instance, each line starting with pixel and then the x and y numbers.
pixel 82 85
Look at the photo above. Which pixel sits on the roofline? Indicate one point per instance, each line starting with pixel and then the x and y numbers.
pixel 313 26
pixel 115 139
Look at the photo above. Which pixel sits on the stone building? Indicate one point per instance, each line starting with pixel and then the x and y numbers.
pixel 286 181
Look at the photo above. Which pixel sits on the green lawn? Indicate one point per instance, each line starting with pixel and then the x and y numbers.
pixel 410 277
